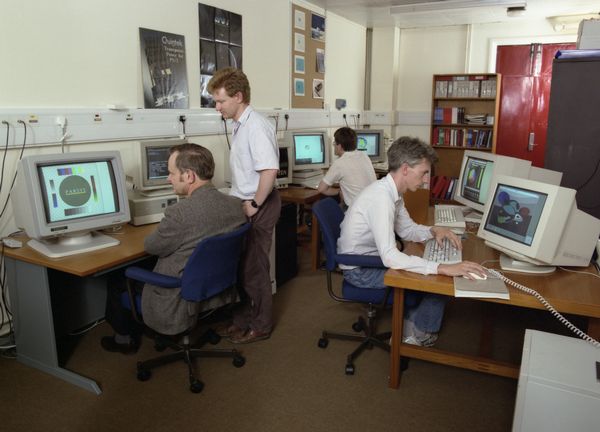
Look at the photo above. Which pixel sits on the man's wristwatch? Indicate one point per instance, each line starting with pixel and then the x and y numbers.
pixel 255 204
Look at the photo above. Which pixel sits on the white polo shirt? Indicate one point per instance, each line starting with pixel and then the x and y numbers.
pixel 253 149
pixel 368 228
pixel 353 171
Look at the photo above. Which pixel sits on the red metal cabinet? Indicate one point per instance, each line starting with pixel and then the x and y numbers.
pixel 523 120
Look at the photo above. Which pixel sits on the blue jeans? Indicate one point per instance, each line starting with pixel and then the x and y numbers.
pixel 424 310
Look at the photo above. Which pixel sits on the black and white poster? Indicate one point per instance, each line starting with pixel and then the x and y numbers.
pixel 220 45
pixel 164 73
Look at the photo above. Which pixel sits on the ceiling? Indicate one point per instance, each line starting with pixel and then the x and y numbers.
pixel 376 13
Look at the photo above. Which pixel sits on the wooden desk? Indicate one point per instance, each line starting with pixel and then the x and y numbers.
pixel 568 292
pixel 34 280
pixel 303 196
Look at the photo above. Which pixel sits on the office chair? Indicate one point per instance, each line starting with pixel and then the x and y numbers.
pixel 330 216
pixel 211 269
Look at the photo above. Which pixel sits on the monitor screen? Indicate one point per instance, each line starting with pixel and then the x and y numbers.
pixel 371 142
pixel 158 162
pixel 77 190
pixel 477 179
pixel 309 149
pixel 153 173
pixel 515 213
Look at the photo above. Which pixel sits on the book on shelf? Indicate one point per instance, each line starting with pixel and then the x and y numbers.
pixel 492 287
pixel 465 86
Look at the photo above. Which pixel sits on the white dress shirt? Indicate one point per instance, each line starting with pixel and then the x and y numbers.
pixel 369 225
pixel 254 148
pixel 353 171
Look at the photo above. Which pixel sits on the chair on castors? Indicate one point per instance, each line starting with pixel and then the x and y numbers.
pixel 330 216
pixel 211 269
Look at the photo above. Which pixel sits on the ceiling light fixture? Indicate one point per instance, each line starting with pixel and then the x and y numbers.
pixel 454 4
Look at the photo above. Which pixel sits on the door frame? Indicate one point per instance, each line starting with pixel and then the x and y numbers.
pixel 523 40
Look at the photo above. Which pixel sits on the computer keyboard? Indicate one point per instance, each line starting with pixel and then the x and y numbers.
pixel 311 182
pixel 449 217
pixel 445 254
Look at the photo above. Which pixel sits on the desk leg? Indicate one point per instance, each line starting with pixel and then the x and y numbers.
pixel 594 328
pixel 315 252
pixel 397 322
pixel 34 324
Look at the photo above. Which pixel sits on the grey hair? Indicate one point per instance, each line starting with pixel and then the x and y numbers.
pixel 411 151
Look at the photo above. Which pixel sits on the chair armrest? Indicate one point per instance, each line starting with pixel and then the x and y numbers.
pixel 360 260
pixel 147 276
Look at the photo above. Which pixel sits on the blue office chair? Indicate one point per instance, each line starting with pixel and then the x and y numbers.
pixel 330 216
pixel 211 269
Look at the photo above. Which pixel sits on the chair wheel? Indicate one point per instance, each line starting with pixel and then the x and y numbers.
pixel 323 343
pixel 239 361
pixel 196 386
pixel 213 337
pixel 357 326
pixel 143 374
pixel 349 369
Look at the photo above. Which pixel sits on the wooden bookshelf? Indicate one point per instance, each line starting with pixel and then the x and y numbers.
pixel 456 98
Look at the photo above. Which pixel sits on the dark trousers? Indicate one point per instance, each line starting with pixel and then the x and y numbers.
pixel 256 311
pixel 116 315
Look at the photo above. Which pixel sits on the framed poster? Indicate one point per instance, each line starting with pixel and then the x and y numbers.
pixel 299 64
pixel 298 87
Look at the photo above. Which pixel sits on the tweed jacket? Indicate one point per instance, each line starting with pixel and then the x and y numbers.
pixel 205 213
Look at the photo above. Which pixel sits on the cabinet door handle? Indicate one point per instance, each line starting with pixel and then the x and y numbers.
pixel 531 142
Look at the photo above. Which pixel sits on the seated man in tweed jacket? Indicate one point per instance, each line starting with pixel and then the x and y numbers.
pixel 204 212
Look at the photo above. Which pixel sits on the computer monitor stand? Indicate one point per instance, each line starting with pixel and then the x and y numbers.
pixel 304 174
pixel 309 178
pixel 473 216
pixel 510 264
pixel 157 192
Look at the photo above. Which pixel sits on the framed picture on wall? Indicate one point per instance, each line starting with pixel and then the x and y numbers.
pixel 299 64
pixel 320 61
pixel 299 42
pixel 298 87
pixel 317 28
pixel 299 20
pixel 318 87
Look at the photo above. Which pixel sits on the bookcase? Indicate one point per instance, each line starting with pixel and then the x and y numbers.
pixel 464 114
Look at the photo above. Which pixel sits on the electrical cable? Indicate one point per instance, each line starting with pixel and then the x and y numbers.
pixel 345 120
pixel 15 176
pixel 226 133
pixel 5 153
pixel 547 305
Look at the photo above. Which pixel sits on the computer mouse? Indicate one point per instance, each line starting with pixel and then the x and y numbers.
pixel 476 276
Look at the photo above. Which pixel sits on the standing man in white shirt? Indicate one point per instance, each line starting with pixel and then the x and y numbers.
pixel 353 169
pixel 254 162
pixel 368 229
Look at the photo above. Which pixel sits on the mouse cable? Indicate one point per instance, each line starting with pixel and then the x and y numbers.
pixel 548 306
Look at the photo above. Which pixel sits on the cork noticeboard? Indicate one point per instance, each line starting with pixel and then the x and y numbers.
pixel 308 58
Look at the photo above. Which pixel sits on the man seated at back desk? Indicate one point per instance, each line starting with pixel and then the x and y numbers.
pixel 204 213
pixel 368 229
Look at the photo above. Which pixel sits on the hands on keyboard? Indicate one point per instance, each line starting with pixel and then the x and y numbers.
pixel 445 254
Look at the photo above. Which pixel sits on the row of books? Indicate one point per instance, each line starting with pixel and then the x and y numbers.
pixel 465 87
pixel 442 187
pixel 473 138
pixel 448 115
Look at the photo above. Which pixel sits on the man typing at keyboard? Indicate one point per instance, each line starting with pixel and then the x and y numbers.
pixel 369 228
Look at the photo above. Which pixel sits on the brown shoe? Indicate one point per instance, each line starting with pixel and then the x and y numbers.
pixel 249 337
pixel 227 329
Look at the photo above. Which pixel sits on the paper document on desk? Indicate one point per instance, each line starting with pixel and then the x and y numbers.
pixel 490 288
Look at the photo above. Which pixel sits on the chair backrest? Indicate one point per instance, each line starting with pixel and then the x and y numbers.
pixel 213 266
pixel 330 216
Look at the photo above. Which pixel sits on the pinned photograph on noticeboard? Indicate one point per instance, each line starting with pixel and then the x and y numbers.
pixel 299 42
pixel 299 20
pixel 317 28
pixel 320 61
pixel 299 64
pixel 318 87
pixel 298 87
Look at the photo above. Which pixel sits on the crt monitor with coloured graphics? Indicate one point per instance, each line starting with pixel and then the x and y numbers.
pixel 537 226
pixel 477 173
pixel 62 200
pixel 371 141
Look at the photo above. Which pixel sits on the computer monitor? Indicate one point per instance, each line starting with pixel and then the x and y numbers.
pixel 286 166
pixel 310 152
pixel 60 200
pixel 154 169
pixel 537 226
pixel 371 141
pixel 477 172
